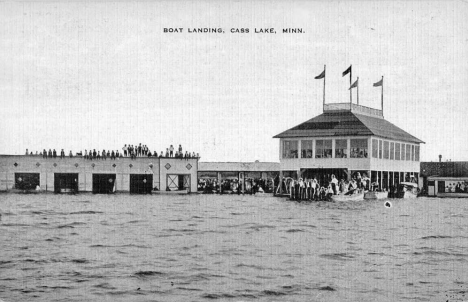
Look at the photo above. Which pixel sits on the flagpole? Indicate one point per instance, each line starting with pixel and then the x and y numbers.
pixel 350 80
pixel 357 90
pixel 324 78
pixel 382 96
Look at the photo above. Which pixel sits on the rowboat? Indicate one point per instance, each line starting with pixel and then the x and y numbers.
pixel 352 197
pixel 375 195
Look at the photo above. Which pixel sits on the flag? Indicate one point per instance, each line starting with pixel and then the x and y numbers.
pixel 347 70
pixel 354 84
pixel 379 83
pixel 321 76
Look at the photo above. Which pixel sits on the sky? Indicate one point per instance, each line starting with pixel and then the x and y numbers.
pixel 81 75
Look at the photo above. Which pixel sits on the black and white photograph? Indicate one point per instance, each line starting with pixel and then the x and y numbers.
pixel 233 151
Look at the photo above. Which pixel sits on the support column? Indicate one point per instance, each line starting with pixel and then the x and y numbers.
pixel 43 180
pixel 50 181
pixel 299 148
pixel 119 182
pixel 81 182
pixel 281 182
pixel 88 182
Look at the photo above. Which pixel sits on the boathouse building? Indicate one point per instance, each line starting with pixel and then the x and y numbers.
pixel 445 179
pixel 76 174
pixel 348 138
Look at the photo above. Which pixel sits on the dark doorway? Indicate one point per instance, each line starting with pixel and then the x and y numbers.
pixel 397 178
pixel 104 183
pixel 440 186
pixel 374 177
pixel 385 180
pixel 181 182
pixel 27 181
pixel 65 182
pixel 141 183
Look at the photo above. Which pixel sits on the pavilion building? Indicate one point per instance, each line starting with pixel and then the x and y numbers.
pixel 348 138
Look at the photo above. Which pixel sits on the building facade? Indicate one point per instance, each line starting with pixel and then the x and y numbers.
pixel 346 139
pixel 445 179
pixel 76 174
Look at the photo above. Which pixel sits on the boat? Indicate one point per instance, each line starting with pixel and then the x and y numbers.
pixel 175 192
pixel 375 195
pixel 407 190
pixel 353 197
pixel 24 191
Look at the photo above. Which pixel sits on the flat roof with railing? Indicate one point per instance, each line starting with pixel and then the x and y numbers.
pixel 353 108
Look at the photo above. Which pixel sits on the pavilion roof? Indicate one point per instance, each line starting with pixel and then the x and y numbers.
pixel 347 123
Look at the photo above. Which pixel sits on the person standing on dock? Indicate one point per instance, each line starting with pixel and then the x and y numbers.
pixel 125 150
pixel 334 184
pixel 358 180
pixel 171 151
pixel 301 188
pixel 307 191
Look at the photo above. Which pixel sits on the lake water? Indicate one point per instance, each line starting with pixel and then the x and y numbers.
pixel 230 248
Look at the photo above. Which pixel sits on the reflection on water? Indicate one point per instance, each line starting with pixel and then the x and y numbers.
pixel 230 248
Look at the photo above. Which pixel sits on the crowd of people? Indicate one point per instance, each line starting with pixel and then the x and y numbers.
pixel 234 186
pixel 311 189
pixel 457 187
pixel 127 151
pixel 143 151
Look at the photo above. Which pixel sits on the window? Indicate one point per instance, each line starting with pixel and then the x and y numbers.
pixel 306 147
pixel 289 149
pixel 397 151
pixel 359 148
pixel 408 152
pixel 386 148
pixel 403 146
pixel 323 149
pixel 375 148
pixel 392 150
pixel 416 153
pixel 380 149
pixel 412 152
pixel 341 148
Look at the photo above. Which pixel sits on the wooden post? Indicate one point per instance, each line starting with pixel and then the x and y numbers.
pixel 324 78
pixel 382 96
